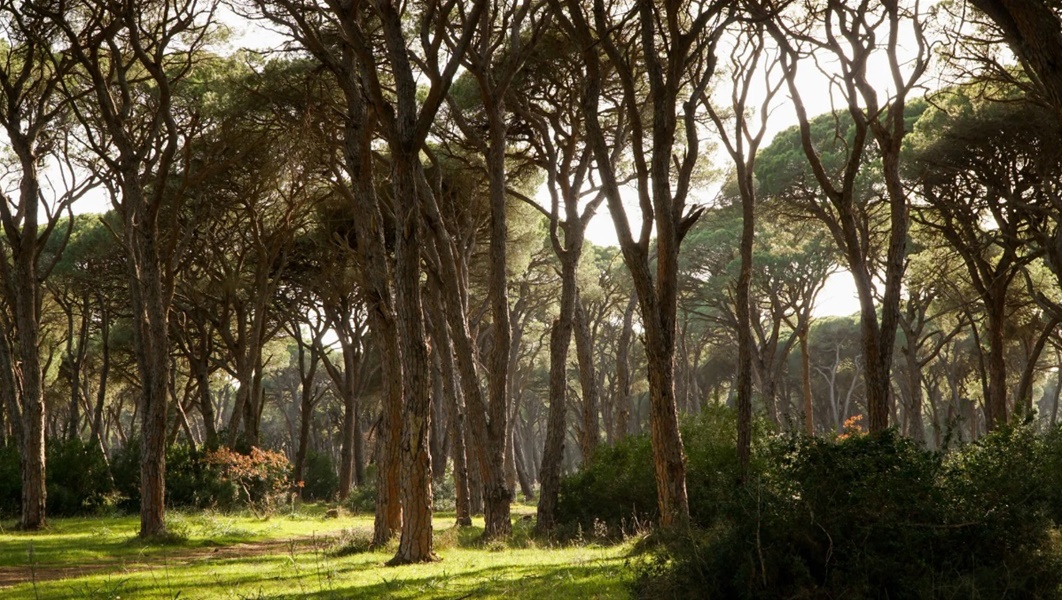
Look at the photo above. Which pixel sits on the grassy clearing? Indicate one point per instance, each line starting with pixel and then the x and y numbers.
pixel 294 556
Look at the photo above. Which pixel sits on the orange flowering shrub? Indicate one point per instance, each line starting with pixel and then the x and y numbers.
pixel 852 427
pixel 262 475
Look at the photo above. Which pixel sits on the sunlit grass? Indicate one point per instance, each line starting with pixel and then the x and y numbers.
pixel 295 556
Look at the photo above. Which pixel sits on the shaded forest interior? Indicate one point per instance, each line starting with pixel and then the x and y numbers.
pixel 360 266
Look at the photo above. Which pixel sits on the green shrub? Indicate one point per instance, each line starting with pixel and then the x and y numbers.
pixel 618 485
pixel 125 470
pixel 319 478
pixel 615 487
pixel 1001 500
pixel 192 483
pixel 10 481
pixel 362 498
pixel 877 516
pixel 77 478
pixel 444 492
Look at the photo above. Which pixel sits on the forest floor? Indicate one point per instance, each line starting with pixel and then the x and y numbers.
pixel 302 554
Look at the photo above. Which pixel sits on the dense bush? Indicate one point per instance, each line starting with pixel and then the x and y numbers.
pixel 190 482
pixel 77 477
pixel 10 482
pixel 222 479
pixel 618 486
pixel 362 498
pixel 259 476
pixel 878 516
pixel 319 478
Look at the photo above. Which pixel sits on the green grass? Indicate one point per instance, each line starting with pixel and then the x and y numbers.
pixel 295 556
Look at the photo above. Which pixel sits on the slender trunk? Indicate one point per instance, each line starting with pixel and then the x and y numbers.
pixel 916 428
pixel 388 515
pixel 805 380
pixel 307 372
pixel 350 415
pixel 8 391
pixel 303 444
pixel 589 434
pixel 496 494
pixel 527 487
pixel 1024 395
pixel 1055 394
pixel 668 457
pixel 742 307
pixel 456 422
pixel 553 452
pixel 201 366
pixel 623 372
pixel 996 398
pixel 439 423
pixel 101 390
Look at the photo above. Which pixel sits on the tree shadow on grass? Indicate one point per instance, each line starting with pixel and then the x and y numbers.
pixel 596 579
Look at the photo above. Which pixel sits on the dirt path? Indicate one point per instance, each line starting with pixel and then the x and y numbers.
pixel 10 576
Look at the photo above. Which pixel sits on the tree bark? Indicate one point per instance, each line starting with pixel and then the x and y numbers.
pixel 553 452
pixel 805 380
pixel 415 543
pixel 589 434
pixel 623 373
pixel 1033 31
pixel 456 425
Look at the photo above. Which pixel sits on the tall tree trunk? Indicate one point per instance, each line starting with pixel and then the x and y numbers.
pixel 307 400
pixel 1055 395
pixel 201 366
pixel 668 457
pixel 805 380
pixel 622 400
pixel 20 280
pixel 350 417
pixel 439 423
pixel 101 389
pixel 553 452
pixel 496 495
pixel 415 543
pixel 996 398
pixel 151 331
pixel 455 413
pixel 1024 395
pixel 743 310
pixel 916 428
pixel 589 433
